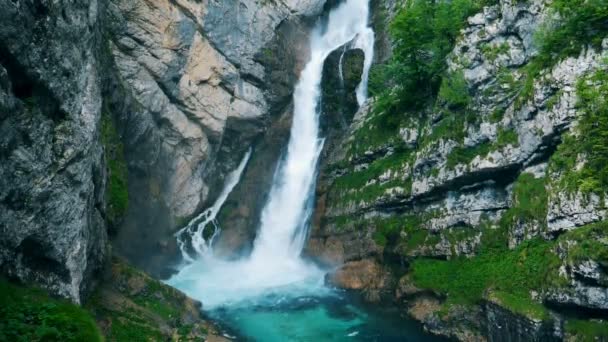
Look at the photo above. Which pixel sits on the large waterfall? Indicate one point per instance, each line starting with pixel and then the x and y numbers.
pixel 274 269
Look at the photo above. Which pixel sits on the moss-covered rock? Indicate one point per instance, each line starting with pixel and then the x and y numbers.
pixel 29 314
pixel 132 306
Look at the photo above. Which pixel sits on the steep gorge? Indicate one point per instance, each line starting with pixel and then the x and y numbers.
pixel 470 205
pixel 476 203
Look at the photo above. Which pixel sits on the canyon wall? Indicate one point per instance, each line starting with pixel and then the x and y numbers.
pixel 120 120
pixel 483 171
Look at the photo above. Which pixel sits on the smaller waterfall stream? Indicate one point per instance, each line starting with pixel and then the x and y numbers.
pixel 194 233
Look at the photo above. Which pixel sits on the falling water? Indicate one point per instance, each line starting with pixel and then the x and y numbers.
pixel 274 271
pixel 193 234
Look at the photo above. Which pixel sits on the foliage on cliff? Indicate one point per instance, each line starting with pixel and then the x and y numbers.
pixel 117 193
pixel 588 143
pixel 131 306
pixel 577 24
pixel 424 33
pixel 29 314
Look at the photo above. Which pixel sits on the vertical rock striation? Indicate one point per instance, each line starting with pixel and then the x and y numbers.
pixel 52 174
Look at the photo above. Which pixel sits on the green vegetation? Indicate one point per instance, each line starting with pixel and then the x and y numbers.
pixel 509 273
pixel 507 276
pixel 591 242
pixel 416 76
pixel 29 314
pixel 424 33
pixel 388 230
pixel 454 93
pixel 117 193
pixel 465 155
pixel 359 186
pixel 589 141
pixel 131 306
pixel 491 52
pixel 497 273
pixel 587 330
pixel 506 137
pixel 529 202
pixel 580 23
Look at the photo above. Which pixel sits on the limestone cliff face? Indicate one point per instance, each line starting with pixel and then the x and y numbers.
pixel 200 82
pixel 442 188
pixel 185 85
pixel 52 173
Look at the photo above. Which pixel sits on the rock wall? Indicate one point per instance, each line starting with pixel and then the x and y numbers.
pixel 443 186
pixel 203 84
pixel 52 173
pixel 187 85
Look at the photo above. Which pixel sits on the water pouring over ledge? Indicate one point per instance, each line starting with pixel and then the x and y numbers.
pixel 275 269
pixel 273 294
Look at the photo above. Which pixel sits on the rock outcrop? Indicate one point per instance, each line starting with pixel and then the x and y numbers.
pixel 199 82
pixel 187 86
pixel 443 183
pixel 52 172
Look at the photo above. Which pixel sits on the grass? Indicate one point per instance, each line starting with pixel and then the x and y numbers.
pixel 529 202
pixel 29 314
pixel 131 306
pixel 117 192
pixel 587 330
pixel 588 143
pixel 507 276
pixel 512 273
pixel 465 155
pixel 358 186
pixel 590 243
pixel 580 23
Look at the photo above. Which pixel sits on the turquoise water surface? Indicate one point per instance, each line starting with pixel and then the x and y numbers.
pixel 340 317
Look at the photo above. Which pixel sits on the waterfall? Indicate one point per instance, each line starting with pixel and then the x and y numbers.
pixel 284 217
pixel 274 267
pixel 195 230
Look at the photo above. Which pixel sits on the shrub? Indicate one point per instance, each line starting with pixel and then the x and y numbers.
pixel 28 314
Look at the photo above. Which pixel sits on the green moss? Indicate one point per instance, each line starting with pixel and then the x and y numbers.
pixel 491 52
pixel 132 306
pixel 454 92
pixel 580 23
pixel 29 314
pixel 591 243
pixel 359 186
pixel 465 155
pixel 511 272
pixel 529 202
pixel 507 276
pixel 507 137
pixel 589 141
pixel 521 304
pixel 497 114
pixel 117 192
pixel 587 330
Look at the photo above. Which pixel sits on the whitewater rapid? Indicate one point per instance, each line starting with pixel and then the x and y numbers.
pixel 275 271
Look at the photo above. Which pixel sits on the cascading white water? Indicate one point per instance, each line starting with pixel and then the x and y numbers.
pixel 275 266
pixel 195 230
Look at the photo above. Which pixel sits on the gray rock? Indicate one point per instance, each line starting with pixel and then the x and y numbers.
pixel 52 173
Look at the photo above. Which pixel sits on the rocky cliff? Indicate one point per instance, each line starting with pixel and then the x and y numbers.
pixel 124 117
pixel 202 81
pixel 460 187
pixel 52 172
